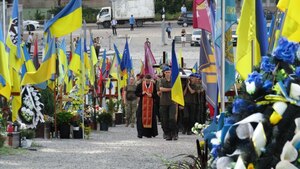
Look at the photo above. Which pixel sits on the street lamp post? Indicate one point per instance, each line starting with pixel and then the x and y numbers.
pixel 163 27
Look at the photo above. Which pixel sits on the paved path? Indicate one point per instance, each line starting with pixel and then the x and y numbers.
pixel 119 148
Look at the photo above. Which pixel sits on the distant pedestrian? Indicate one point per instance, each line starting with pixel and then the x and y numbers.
pixel 97 46
pixel 183 37
pixel 148 43
pixel 131 22
pixel 168 30
pixel 114 23
pixel 29 41
pixel 183 9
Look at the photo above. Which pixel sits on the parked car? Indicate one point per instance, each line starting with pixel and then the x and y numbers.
pixel 196 36
pixel 31 25
pixel 185 19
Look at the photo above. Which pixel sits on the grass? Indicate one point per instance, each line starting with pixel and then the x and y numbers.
pixel 6 151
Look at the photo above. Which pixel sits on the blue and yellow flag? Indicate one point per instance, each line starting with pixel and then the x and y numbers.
pixel 117 54
pixel 28 65
pixel 230 19
pixel 195 68
pixel 13 39
pixel 93 55
pixel 67 20
pixel 176 91
pixel 46 70
pixel 77 59
pixel 5 83
pixel 209 71
pixel 63 62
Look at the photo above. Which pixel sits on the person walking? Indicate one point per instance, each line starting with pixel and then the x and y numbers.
pixel 97 46
pixel 183 37
pixel 29 41
pixel 168 30
pixel 183 9
pixel 131 22
pixel 146 119
pixel 114 23
pixel 167 107
pixel 148 43
pixel 190 101
pixel 130 102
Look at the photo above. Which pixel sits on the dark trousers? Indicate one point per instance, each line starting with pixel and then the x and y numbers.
pixel 97 49
pixel 168 119
pixel 169 34
pixel 131 27
pixel 114 30
pixel 189 116
pixel 29 47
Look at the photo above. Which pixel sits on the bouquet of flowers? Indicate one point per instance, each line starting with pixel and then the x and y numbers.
pixel 262 128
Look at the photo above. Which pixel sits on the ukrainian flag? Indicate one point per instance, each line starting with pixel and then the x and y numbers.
pixel 75 64
pixel 63 61
pixel 93 52
pixel 46 70
pixel 13 38
pixel 5 83
pixel 67 20
pixel 176 91
pixel 28 65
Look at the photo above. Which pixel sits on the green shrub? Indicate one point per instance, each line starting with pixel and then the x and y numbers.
pixel 38 15
pixel 28 133
pixel 105 118
pixel 64 117
pixel 47 99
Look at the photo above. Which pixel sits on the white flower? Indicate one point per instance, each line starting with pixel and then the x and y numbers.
pixel 200 126
pixel 250 87
pixel 196 124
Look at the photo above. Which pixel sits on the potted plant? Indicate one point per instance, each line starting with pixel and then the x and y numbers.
pixel 63 121
pixel 26 137
pixel 76 123
pixel 105 120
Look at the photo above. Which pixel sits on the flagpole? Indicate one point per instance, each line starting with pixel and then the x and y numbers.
pixel 3 15
pixel 82 76
pixel 222 90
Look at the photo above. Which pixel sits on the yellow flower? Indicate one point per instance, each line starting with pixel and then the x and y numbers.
pixel 250 166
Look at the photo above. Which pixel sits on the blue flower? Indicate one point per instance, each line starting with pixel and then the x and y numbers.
pixel 238 105
pixel 297 71
pixel 256 78
pixel 286 51
pixel 266 64
pixel 267 85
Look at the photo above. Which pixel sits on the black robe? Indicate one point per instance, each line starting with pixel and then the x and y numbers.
pixel 147 132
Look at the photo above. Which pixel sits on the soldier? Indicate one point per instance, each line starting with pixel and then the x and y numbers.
pixel 130 101
pixel 167 107
pixel 190 101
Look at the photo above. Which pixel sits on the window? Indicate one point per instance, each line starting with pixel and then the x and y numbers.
pixel 104 12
